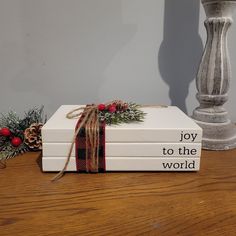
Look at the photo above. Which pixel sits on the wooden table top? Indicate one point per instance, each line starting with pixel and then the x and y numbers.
pixel 202 203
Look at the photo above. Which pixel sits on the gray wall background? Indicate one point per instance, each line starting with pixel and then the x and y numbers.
pixel 55 52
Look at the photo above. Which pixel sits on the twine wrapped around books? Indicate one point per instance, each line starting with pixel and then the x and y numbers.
pixel 91 123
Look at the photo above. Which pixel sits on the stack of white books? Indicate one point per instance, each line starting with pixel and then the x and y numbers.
pixel 167 140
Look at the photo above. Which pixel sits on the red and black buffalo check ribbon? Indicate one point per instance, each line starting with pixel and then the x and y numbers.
pixel 83 151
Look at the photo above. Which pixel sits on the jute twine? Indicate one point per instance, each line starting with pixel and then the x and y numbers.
pixel 91 123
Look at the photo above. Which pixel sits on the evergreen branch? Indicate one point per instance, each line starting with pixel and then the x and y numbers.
pixel 131 114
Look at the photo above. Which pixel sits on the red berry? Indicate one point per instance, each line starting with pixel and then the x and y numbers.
pixel 101 107
pixel 5 132
pixel 112 108
pixel 16 142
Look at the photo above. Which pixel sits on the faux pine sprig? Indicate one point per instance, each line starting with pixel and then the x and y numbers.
pixel 119 112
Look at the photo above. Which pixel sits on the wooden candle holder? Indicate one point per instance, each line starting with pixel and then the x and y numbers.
pixel 214 73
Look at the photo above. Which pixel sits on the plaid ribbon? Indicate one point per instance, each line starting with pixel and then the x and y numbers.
pixel 83 164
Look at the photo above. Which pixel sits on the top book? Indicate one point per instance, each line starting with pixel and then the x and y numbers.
pixel 161 124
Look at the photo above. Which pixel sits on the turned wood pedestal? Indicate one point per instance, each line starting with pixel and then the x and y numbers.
pixel 213 78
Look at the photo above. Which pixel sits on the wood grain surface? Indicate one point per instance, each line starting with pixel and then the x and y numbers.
pixel 202 203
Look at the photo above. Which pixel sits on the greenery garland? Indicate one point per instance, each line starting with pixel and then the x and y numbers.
pixel 20 135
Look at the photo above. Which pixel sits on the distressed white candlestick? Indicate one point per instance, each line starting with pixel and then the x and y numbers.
pixel 213 78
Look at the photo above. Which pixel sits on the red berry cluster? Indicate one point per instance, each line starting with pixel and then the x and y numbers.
pixel 113 107
pixel 110 108
pixel 15 141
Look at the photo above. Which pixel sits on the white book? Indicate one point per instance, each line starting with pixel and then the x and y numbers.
pixel 129 164
pixel 165 125
pixel 131 149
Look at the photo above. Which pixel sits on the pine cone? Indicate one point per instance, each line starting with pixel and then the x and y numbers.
pixel 33 138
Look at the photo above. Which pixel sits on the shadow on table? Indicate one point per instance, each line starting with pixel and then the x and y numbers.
pixel 39 162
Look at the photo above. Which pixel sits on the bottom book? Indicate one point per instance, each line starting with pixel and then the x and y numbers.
pixel 130 164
